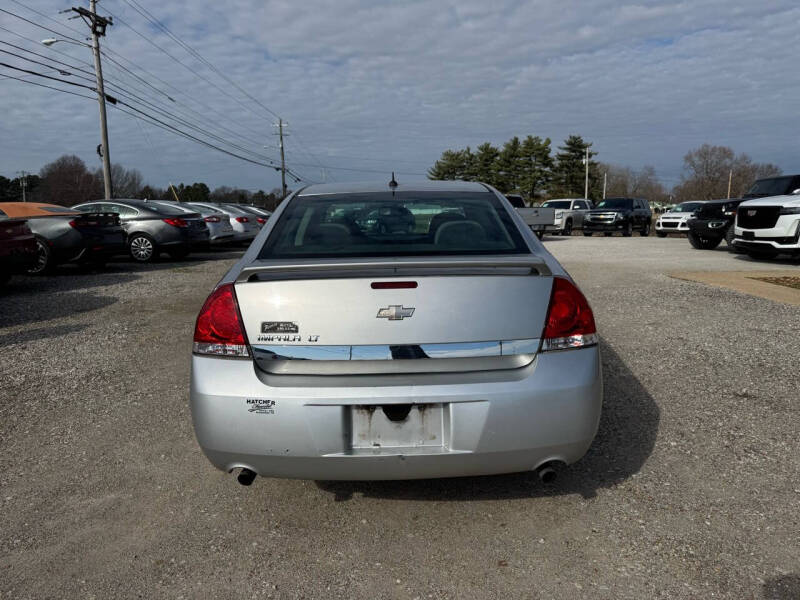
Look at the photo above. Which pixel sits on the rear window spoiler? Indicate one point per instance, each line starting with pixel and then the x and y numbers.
pixel 396 267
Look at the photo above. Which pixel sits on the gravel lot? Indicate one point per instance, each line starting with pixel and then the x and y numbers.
pixel 691 490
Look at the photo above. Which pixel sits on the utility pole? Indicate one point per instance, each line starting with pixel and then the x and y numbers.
pixel 605 181
pixel 283 160
pixel 98 24
pixel 586 176
pixel 23 183
pixel 730 178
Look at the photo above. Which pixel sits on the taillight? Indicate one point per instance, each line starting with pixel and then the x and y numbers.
pixel 219 330
pixel 242 219
pixel 569 322
pixel 211 219
pixel 73 223
pixel 175 222
pixel 261 220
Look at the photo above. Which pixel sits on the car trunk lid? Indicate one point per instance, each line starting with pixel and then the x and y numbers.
pixel 351 316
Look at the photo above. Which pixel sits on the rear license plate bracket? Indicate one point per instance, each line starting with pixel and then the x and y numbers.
pixel 397 426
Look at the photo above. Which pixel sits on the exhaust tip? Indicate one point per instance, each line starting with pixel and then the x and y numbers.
pixel 547 472
pixel 246 477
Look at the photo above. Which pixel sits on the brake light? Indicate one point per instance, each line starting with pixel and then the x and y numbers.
pixel 393 285
pixel 175 222
pixel 242 219
pixel 73 223
pixel 261 220
pixel 569 322
pixel 219 330
pixel 211 219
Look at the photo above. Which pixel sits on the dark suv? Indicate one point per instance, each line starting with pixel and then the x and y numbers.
pixel 619 214
pixel 714 221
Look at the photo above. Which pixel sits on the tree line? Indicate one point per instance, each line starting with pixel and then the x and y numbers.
pixel 67 181
pixel 530 168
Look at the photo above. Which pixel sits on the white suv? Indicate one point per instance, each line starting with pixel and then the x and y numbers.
pixel 766 227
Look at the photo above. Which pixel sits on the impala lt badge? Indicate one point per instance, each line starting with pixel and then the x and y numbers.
pixel 395 312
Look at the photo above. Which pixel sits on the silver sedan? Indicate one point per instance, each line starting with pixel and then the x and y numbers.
pixel 336 349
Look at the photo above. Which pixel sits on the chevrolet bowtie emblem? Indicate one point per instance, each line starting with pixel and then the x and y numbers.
pixel 395 312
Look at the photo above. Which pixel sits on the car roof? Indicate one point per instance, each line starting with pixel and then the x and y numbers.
pixel 34 209
pixel 383 186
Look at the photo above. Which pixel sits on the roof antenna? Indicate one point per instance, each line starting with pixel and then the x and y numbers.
pixel 392 183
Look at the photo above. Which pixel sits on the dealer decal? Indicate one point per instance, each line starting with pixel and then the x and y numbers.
pixel 279 327
pixel 261 406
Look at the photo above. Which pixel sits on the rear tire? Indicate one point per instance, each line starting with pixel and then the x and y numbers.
pixel 587 234
pixel 142 248
pixel 44 258
pixel 645 230
pixel 539 234
pixel 703 243
pixel 661 234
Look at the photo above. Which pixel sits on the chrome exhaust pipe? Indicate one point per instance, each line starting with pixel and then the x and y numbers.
pixel 547 472
pixel 246 477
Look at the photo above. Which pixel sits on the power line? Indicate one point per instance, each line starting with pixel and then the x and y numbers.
pixel 184 65
pixel 8 12
pixel 149 16
pixel 49 87
pixel 49 18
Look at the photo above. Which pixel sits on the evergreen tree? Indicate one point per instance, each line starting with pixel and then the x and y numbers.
pixel 511 166
pixel 537 166
pixel 485 162
pixel 569 171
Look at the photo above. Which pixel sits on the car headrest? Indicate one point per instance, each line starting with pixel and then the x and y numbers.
pixel 459 233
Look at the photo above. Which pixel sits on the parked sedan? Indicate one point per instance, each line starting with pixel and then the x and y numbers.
pixel 152 227
pixel 245 227
pixel 676 219
pixel 337 350
pixel 260 214
pixel 65 235
pixel 219 226
pixel 17 247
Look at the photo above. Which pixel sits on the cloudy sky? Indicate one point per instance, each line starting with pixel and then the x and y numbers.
pixel 371 86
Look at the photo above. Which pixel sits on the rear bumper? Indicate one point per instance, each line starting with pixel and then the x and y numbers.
pixel 548 410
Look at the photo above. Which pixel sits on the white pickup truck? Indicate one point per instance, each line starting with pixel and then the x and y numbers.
pixel 569 213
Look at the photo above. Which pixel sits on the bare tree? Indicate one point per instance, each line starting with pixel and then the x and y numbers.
pixel 67 181
pixel 706 172
pixel 624 181
pixel 125 183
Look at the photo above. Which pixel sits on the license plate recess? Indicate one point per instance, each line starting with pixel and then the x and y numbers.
pixel 389 426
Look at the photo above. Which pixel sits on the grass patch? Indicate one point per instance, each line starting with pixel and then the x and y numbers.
pixel 790 282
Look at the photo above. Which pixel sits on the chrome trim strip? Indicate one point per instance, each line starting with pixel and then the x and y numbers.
pixel 383 352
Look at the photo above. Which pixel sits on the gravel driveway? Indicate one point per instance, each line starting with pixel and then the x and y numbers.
pixel 691 490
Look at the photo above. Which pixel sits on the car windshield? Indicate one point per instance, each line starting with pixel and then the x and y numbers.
pixel 686 207
pixel 615 203
pixel 385 224
pixel 556 204
pixel 774 186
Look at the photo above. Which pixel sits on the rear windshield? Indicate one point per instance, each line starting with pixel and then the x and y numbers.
pixel 686 207
pixel 615 203
pixel 386 224
pixel 556 204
